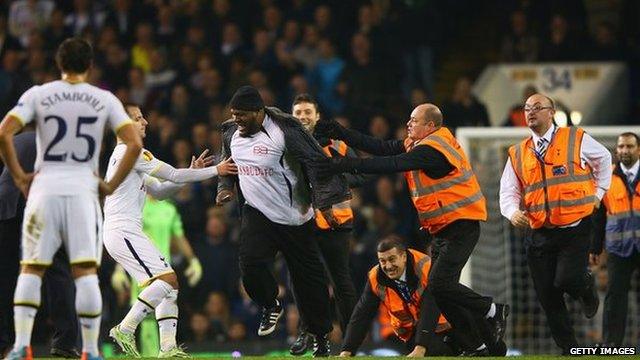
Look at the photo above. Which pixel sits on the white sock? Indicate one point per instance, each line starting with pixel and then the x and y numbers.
pixel 147 301
pixel 26 301
pixel 167 317
pixel 89 309
pixel 492 312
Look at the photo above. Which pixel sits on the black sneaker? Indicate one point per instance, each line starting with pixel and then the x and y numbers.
pixel 72 353
pixel 590 300
pixel 321 346
pixel 301 344
pixel 474 353
pixel 269 319
pixel 499 322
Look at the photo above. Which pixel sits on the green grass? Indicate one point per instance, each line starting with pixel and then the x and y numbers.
pixel 524 357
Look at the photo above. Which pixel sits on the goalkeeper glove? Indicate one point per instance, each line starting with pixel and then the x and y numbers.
pixel 193 272
pixel 120 280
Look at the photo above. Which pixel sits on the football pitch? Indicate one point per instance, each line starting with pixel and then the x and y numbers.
pixel 523 357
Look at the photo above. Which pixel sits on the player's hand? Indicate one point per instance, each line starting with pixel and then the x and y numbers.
pixel 520 219
pixel 193 272
pixel 202 161
pixel 120 280
pixel 418 351
pixel 224 196
pixel 227 167
pixel 345 354
pixel 594 259
pixel 24 183
pixel 105 188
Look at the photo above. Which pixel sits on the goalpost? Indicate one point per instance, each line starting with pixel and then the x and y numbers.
pixel 498 266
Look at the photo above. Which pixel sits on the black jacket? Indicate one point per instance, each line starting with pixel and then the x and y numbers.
pixel 367 308
pixel 303 148
pixel 11 199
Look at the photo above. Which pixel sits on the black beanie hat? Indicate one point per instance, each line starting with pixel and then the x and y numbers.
pixel 246 98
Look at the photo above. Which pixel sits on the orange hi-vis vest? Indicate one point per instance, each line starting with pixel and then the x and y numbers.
pixel 557 190
pixel 405 316
pixel 622 232
pixel 341 212
pixel 456 196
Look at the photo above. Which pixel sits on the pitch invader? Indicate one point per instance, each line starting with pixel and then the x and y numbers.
pixel 129 246
pixel 62 205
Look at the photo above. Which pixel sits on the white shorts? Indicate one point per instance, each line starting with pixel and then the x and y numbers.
pixel 51 221
pixel 137 254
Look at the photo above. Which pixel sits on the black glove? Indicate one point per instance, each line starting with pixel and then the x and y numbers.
pixel 328 128
pixel 335 165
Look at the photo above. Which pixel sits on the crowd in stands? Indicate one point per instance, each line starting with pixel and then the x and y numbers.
pixel 367 63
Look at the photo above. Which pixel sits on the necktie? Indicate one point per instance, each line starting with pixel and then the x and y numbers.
pixel 630 177
pixel 404 290
pixel 542 146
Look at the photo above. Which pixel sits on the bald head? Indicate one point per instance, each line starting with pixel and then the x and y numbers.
pixel 430 112
pixel 539 110
pixel 425 119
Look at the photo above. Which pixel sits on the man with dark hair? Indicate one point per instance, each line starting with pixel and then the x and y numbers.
pixel 62 208
pixel 400 282
pixel 332 241
pixel 618 226
pixel 279 187
pixel 450 205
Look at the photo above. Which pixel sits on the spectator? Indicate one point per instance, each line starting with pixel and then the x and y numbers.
pixel 141 50
pixel 56 32
pixel 307 53
pixel 379 127
pixel 324 78
pixel 217 310
pixel 121 17
pixel 272 21
pixel 519 44
pixel 84 16
pixel 237 331
pixel 200 328
pixel 463 108
pixel 605 45
pixel 27 16
pixel 560 44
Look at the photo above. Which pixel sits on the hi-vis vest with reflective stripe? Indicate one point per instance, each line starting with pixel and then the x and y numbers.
pixel 341 212
pixel 557 190
pixel 440 202
pixel 405 316
pixel 623 217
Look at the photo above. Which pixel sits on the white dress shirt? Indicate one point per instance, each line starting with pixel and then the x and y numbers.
pixel 591 152
pixel 633 170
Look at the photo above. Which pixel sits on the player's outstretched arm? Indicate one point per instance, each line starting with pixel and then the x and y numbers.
pixel 165 171
pixel 8 127
pixel 131 138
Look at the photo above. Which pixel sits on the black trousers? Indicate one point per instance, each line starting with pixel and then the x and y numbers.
pixel 58 285
pixel 334 247
pixel 452 247
pixel 620 270
pixel 260 241
pixel 558 260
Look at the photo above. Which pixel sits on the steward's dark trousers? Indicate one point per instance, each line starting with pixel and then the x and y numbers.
pixel 452 248
pixel 58 282
pixel 334 247
pixel 260 240
pixel 558 260
pixel 620 270
pixel 9 269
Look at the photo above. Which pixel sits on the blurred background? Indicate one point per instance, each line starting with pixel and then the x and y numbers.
pixel 368 63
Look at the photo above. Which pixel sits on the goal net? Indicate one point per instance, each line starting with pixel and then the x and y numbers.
pixel 498 266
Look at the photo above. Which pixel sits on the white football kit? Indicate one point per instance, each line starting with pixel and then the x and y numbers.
pixel 62 207
pixel 123 236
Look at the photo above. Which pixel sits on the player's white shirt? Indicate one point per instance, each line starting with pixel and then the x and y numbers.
pixel 123 208
pixel 70 121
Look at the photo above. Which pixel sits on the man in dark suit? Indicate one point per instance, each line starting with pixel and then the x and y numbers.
pixel 58 281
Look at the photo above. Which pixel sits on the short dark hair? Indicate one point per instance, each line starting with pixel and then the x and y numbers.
pixel 74 55
pixel 631 134
pixel 305 98
pixel 128 105
pixel 390 242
